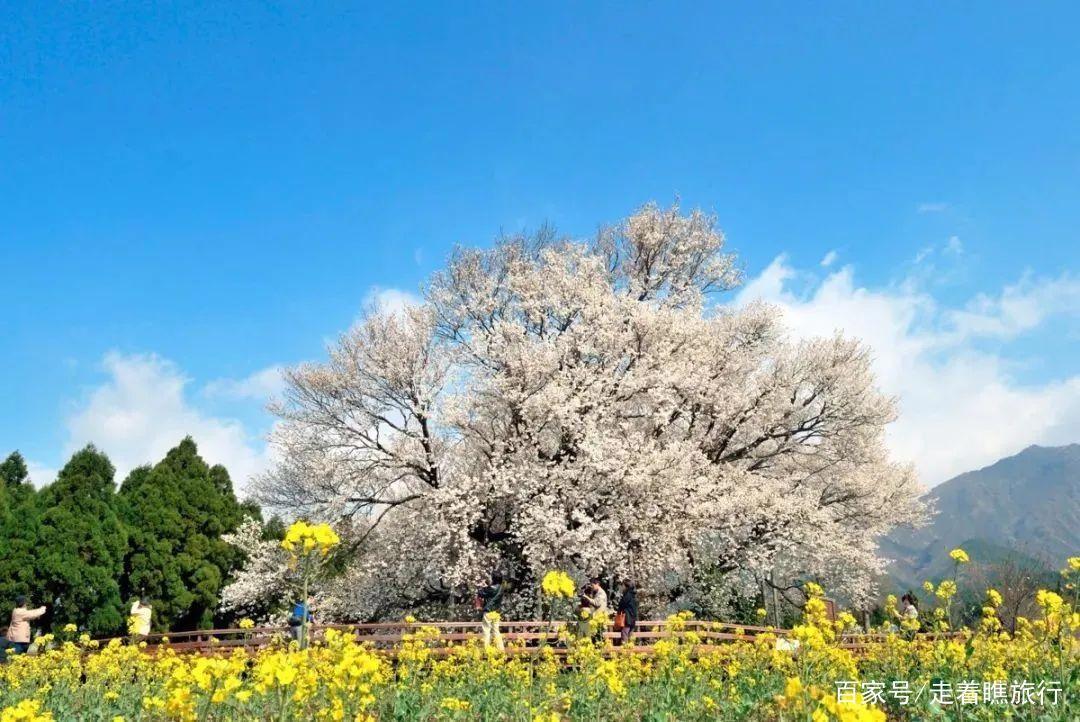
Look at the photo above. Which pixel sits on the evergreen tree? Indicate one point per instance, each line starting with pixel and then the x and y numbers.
pixel 176 512
pixel 81 543
pixel 18 533
pixel 14 479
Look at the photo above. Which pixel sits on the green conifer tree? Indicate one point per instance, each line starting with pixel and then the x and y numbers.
pixel 176 512
pixel 81 544
pixel 18 533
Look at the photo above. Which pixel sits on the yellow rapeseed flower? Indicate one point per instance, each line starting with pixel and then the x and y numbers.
pixel 29 710
pixel 454 704
pixel 1051 602
pixel 959 556
pixel 304 538
pixel 946 590
pixel 557 584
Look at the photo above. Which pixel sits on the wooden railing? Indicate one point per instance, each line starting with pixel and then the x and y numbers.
pixel 519 636
pixel 387 636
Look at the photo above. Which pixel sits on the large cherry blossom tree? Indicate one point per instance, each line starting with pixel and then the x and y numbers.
pixel 597 407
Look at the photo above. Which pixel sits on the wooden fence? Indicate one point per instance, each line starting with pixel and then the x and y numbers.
pixel 519 636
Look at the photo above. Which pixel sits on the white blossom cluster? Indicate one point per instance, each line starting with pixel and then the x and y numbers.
pixel 588 407
pixel 264 582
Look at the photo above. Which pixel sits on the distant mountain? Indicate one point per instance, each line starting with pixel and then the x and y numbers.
pixel 1027 504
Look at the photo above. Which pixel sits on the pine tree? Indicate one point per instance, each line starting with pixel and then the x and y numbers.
pixel 13 471
pixel 176 512
pixel 81 545
pixel 18 531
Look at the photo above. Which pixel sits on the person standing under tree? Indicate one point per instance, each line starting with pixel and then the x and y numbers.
pixel 594 602
pixel 19 629
pixel 596 596
pixel 300 620
pixel 139 621
pixel 626 614
pixel 5 644
pixel 490 599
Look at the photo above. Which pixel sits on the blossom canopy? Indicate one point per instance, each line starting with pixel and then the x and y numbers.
pixel 590 406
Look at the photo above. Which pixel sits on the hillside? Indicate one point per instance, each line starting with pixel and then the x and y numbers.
pixel 1027 503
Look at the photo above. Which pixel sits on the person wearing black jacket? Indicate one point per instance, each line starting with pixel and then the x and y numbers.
pixel 629 609
pixel 5 645
pixel 490 598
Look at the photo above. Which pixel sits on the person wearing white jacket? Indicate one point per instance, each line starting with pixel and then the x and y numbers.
pixel 139 622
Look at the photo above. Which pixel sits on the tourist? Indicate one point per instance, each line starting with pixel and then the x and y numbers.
pixel 909 608
pixel 19 629
pixel 593 601
pixel 626 614
pixel 594 597
pixel 909 615
pixel 5 644
pixel 139 622
pixel 490 599
pixel 299 620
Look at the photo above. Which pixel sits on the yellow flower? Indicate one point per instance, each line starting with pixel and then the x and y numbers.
pixel 246 623
pixel 69 628
pixel 946 590
pixel 557 584
pixel 959 556
pixel 454 704
pixel 761 613
pixel 928 587
pixel 1051 602
pixel 1073 564
pixel 813 589
pixel 993 598
pixel 29 710
pixel 303 538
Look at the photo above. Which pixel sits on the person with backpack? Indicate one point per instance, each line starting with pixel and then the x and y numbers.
pixel 489 600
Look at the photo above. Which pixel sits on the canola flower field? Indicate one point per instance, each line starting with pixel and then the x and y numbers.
pixel 1004 677
pixel 810 675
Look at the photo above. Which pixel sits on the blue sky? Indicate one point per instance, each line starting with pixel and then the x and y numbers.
pixel 192 196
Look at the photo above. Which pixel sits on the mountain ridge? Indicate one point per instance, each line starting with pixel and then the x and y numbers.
pixel 1027 503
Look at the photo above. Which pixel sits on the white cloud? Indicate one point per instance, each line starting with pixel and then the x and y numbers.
pixel 954 246
pixel 40 474
pixel 393 300
pixel 932 207
pixel 922 254
pixel 1020 307
pixel 141 411
pixel 960 407
pixel 259 386
pixel 829 259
